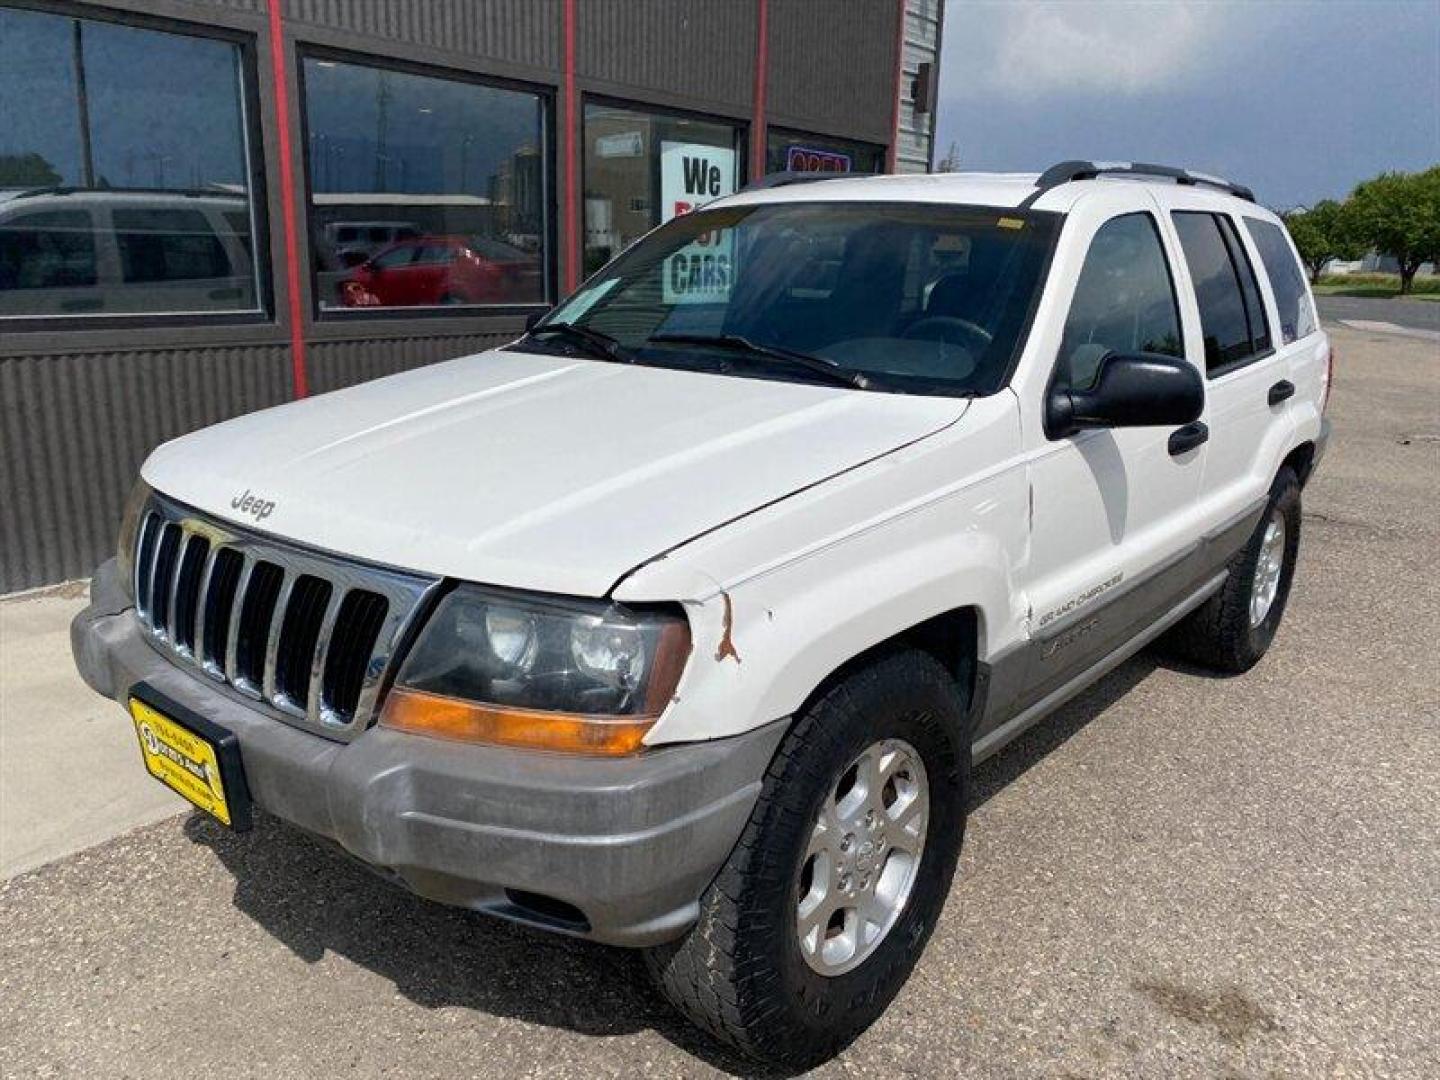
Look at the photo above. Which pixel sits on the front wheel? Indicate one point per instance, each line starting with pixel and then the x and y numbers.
pixel 822 910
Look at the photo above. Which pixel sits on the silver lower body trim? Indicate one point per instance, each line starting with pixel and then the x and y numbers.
pixel 992 742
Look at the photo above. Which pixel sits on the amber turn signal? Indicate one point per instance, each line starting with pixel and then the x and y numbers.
pixel 422 713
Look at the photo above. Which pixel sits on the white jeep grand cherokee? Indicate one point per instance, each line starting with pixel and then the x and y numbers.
pixel 678 622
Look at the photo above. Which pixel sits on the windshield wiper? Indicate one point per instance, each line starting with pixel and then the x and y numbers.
pixel 819 365
pixel 593 341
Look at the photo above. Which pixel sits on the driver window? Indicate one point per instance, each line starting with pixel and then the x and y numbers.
pixel 1124 302
pixel 395 257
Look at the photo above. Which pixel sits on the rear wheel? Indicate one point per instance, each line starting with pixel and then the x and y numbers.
pixel 1232 630
pixel 822 910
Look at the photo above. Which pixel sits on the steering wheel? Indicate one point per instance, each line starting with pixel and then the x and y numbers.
pixel 951 331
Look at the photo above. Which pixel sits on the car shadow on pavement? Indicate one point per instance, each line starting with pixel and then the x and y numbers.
pixel 314 899
pixel 1057 728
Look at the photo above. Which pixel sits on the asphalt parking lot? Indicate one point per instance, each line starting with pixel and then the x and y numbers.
pixel 1175 875
pixel 1407 312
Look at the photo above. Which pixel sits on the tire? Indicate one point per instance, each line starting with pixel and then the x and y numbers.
pixel 1221 633
pixel 740 973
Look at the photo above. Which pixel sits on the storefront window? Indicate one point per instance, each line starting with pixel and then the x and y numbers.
pixel 124 171
pixel 424 192
pixel 790 151
pixel 642 169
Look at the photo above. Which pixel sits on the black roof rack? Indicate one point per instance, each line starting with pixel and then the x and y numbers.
pixel 1067 171
pixel 783 179
pixel 184 193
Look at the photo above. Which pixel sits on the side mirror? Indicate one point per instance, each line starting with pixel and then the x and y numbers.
pixel 1139 390
pixel 533 319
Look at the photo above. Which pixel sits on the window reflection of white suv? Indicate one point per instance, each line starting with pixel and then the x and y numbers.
pixel 77 251
pixel 678 622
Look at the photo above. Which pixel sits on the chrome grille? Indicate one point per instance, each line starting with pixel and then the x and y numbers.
pixel 308 636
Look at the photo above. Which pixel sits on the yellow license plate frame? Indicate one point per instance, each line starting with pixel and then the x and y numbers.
pixel 194 758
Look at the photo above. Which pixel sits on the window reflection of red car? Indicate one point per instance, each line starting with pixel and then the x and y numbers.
pixel 430 270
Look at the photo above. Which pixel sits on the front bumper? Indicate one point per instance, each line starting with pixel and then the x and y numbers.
pixel 630 843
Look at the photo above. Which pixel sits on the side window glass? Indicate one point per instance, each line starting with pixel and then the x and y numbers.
pixel 238 223
pixel 122 140
pixel 400 256
pixel 1255 316
pixel 52 249
pixel 436 253
pixel 1232 321
pixel 168 245
pixel 1124 301
pixel 1287 281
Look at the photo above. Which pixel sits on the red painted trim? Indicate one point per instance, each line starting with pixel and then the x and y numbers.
pixel 762 71
pixel 572 125
pixel 893 152
pixel 287 202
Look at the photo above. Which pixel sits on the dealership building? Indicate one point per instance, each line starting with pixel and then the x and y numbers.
pixel 209 207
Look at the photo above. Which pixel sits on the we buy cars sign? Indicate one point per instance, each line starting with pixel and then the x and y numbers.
pixel 692 175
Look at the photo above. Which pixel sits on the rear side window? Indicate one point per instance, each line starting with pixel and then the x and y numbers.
pixel 51 249
pixel 1124 301
pixel 168 245
pixel 1232 318
pixel 1287 281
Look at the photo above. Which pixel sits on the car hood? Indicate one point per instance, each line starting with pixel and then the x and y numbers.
pixel 531 470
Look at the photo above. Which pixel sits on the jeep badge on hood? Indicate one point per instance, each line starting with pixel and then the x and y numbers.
pixel 256 506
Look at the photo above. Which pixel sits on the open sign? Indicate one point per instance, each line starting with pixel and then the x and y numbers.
pixel 807 159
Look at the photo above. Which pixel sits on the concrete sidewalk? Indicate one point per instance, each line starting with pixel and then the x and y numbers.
pixel 70 773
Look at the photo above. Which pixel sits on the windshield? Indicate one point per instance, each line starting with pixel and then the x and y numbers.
pixel 918 298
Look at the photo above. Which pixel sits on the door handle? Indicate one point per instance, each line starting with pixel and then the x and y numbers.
pixel 1187 438
pixel 1281 391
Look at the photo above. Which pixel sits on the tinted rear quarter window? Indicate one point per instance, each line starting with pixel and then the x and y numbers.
pixel 1232 318
pixel 1287 281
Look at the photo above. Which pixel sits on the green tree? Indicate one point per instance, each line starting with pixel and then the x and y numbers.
pixel 27 170
pixel 1323 232
pixel 1399 214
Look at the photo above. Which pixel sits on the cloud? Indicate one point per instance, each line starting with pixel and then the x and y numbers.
pixel 1039 49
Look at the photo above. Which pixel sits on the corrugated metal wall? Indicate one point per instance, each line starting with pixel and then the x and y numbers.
pixel 816 81
pixel 335 364
pixel 519 31
pixel 75 427
pixel 80 410
pixel 695 49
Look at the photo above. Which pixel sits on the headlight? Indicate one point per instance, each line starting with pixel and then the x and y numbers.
pixel 574 675
pixel 129 527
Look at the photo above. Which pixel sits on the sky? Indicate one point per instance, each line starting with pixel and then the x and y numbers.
pixel 1299 99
